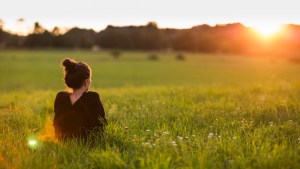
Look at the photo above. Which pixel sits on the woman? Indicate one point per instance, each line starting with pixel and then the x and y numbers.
pixel 79 112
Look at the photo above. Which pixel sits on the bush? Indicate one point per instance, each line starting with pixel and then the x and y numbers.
pixel 180 57
pixel 115 53
pixel 153 57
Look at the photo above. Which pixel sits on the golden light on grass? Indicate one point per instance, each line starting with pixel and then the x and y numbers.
pixel 48 133
pixel 1 159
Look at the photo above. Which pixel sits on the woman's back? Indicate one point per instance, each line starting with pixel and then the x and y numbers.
pixel 86 114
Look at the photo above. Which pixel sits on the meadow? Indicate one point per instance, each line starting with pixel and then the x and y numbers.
pixel 207 111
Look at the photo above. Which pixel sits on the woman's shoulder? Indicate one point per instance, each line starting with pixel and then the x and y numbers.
pixel 92 93
pixel 62 94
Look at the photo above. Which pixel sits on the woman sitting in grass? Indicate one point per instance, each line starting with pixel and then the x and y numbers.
pixel 80 112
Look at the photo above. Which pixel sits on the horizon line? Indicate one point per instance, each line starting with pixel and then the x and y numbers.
pixel 67 28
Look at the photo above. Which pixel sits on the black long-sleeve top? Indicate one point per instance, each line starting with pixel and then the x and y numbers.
pixel 85 115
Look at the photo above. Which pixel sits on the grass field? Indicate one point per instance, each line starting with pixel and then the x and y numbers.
pixel 208 111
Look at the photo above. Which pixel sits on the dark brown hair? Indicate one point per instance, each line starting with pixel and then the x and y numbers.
pixel 75 73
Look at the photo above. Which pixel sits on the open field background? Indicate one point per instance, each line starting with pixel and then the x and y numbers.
pixel 208 111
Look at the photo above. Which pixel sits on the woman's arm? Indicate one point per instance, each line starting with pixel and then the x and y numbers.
pixel 100 110
pixel 57 112
pixel 57 107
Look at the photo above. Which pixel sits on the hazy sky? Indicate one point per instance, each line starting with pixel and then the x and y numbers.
pixel 97 14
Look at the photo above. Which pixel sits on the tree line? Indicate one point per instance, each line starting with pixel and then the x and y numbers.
pixel 227 38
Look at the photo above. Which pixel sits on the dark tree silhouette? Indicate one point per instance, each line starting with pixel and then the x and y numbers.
pixel 39 40
pixel 79 38
pixel 1 24
pixel 228 38
pixel 56 31
pixel 38 29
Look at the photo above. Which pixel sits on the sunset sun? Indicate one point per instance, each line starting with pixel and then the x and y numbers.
pixel 267 30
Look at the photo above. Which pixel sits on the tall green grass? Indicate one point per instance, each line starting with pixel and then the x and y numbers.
pixel 204 112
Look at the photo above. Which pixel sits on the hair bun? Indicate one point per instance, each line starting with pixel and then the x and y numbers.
pixel 69 64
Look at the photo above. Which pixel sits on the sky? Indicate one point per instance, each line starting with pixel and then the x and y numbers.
pixel 97 14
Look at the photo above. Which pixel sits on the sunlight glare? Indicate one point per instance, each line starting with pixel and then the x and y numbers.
pixel 32 143
pixel 267 30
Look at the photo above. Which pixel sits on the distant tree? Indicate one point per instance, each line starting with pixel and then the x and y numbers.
pixel 56 31
pixel 79 38
pixel 57 39
pixel 186 40
pixel 8 39
pixel 1 24
pixel 39 40
pixel 38 29
pixel 152 25
pixel 14 41
pixel 115 37
pixel 147 37
pixel 3 35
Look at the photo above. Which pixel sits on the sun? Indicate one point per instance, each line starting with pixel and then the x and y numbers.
pixel 267 30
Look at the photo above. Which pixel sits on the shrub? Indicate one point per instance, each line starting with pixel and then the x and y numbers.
pixel 180 57
pixel 153 56
pixel 115 53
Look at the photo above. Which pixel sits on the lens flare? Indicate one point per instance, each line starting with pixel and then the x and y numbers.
pixel 32 142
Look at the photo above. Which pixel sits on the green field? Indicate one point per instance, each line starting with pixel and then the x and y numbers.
pixel 208 111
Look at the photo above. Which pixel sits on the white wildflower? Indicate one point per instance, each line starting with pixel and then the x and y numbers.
pixel 180 138
pixel 146 144
pixel 174 143
pixel 271 123
pixel 210 135
pixel 165 133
